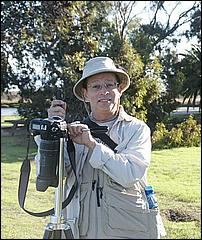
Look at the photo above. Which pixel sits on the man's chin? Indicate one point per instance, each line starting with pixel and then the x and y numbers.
pixel 106 104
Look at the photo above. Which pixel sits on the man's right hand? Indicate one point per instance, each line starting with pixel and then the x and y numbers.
pixel 57 108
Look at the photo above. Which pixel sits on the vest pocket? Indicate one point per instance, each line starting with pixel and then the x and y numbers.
pixel 125 215
pixel 84 210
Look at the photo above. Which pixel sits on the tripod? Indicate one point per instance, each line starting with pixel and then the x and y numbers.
pixel 58 228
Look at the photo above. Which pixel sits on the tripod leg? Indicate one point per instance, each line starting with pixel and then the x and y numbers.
pixel 68 234
pixel 52 234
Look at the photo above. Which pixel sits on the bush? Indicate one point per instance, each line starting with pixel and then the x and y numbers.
pixel 185 134
pixel 175 137
pixel 191 132
pixel 160 136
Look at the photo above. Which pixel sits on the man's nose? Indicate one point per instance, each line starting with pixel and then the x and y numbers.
pixel 104 87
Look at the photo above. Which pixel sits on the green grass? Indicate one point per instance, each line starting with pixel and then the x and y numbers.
pixel 174 173
pixel 15 223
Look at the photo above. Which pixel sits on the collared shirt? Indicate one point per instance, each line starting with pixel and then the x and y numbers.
pixel 133 151
pixel 123 173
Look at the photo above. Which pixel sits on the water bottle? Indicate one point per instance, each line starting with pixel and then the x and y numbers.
pixel 151 199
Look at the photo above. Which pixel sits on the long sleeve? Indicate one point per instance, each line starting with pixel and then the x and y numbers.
pixel 132 159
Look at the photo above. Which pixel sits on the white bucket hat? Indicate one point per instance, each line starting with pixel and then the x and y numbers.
pixel 100 65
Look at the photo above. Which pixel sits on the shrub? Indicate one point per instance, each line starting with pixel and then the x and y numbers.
pixel 160 136
pixel 191 132
pixel 185 134
pixel 175 137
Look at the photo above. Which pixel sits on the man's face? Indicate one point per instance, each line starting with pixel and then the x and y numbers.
pixel 103 92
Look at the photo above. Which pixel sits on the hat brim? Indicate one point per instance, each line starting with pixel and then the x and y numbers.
pixel 123 77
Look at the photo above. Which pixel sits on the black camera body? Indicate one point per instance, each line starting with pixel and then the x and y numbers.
pixel 50 130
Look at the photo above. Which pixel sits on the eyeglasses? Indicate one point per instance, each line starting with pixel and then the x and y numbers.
pixel 108 86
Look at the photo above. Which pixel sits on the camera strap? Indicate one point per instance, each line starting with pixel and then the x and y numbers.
pixel 26 167
pixel 102 136
pixel 24 178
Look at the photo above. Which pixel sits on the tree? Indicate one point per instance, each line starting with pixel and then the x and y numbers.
pixel 173 79
pixel 145 82
pixel 195 24
pixel 154 39
pixel 151 38
pixel 123 17
pixel 191 67
pixel 191 64
pixel 146 87
pixel 59 36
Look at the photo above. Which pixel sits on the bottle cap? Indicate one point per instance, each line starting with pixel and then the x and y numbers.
pixel 149 189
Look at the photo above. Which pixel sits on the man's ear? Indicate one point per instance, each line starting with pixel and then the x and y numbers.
pixel 85 95
pixel 119 89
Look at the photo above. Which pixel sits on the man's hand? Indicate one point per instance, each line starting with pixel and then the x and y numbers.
pixel 57 108
pixel 80 133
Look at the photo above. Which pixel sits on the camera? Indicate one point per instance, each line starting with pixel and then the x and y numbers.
pixel 50 130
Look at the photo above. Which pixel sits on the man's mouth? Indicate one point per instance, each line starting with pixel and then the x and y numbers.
pixel 104 100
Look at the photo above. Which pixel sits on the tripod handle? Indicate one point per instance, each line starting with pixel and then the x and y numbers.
pixel 101 129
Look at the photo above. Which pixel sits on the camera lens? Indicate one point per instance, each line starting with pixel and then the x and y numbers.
pixel 49 157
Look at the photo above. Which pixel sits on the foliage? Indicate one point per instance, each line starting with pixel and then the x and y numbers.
pixel 160 136
pixel 154 39
pixel 191 68
pixel 58 35
pixel 185 134
pixel 132 100
pixel 195 24
pixel 191 132
pixel 49 41
pixel 182 78
pixel 36 104
pixel 173 79
pixel 144 80
pixel 157 34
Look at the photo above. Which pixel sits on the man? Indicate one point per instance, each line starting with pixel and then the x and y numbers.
pixel 110 201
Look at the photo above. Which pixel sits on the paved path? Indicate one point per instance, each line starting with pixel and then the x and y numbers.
pixel 183 110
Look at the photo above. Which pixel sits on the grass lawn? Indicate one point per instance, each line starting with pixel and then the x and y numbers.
pixel 15 223
pixel 175 175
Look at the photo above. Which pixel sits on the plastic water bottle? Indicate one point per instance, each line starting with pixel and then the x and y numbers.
pixel 151 199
